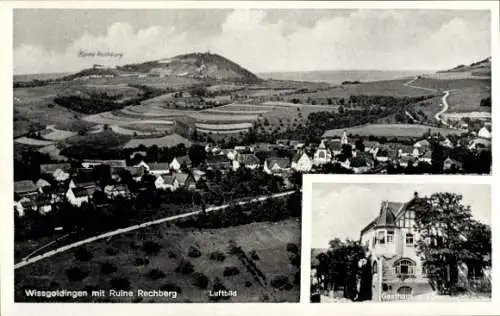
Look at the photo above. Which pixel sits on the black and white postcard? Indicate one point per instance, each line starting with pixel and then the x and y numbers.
pixel 157 152
pixel 401 242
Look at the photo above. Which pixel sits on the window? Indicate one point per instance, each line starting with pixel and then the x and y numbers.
pixel 405 290
pixel 374 267
pixel 385 287
pixel 405 267
pixel 390 236
pixel 409 219
pixel 381 237
pixel 409 240
pixel 321 155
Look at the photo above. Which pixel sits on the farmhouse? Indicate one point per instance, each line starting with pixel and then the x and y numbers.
pixel 25 188
pixel 391 241
pixel 276 165
pixel 166 181
pixel 59 171
pixel 301 162
pixel 136 172
pixel 229 153
pixel 143 164
pixel 178 162
pixel 79 195
pixel 116 190
pixel 249 161
pixel 484 133
pixel 218 162
pixel 159 168
pixel 83 178
pixel 186 180
pixel 41 184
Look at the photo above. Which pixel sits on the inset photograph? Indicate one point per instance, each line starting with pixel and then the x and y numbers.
pixel 386 242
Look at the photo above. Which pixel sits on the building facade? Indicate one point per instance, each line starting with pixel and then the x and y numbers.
pixel 391 238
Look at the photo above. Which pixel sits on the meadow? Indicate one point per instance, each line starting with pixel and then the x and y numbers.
pixel 126 257
pixel 390 130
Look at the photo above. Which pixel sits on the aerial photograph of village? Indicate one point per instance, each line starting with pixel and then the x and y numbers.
pixel 159 154
pixel 432 244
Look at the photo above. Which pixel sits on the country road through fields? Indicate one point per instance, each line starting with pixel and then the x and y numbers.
pixel 444 109
pixel 146 224
pixel 443 100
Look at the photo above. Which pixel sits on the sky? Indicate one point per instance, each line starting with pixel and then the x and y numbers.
pixel 342 210
pixel 49 40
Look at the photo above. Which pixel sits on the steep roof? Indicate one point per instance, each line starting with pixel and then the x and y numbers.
pixel 248 159
pixel 136 171
pixel 299 155
pixel 81 192
pixel 24 186
pixel 283 163
pixel 181 177
pixel 168 178
pixel 183 159
pixel 159 166
pixel 389 213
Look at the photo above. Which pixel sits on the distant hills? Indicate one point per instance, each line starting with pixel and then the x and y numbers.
pixel 479 68
pixel 195 65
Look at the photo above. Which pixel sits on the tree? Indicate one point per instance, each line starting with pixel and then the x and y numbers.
pixel 449 236
pixel 338 268
pixel 359 145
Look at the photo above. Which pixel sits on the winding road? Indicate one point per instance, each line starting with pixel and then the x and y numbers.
pixel 443 100
pixel 139 226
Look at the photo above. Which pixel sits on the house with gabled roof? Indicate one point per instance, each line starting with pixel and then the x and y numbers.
pixel 390 240
pixel 178 162
pixel 249 161
pixel 484 132
pixel 301 162
pixel 218 162
pixel 41 184
pixel 159 168
pixel 136 172
pixel 167 182
pixel 83 178
pixel 79 195
pixel 115 190
pixel 276 165
pixel 25 188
